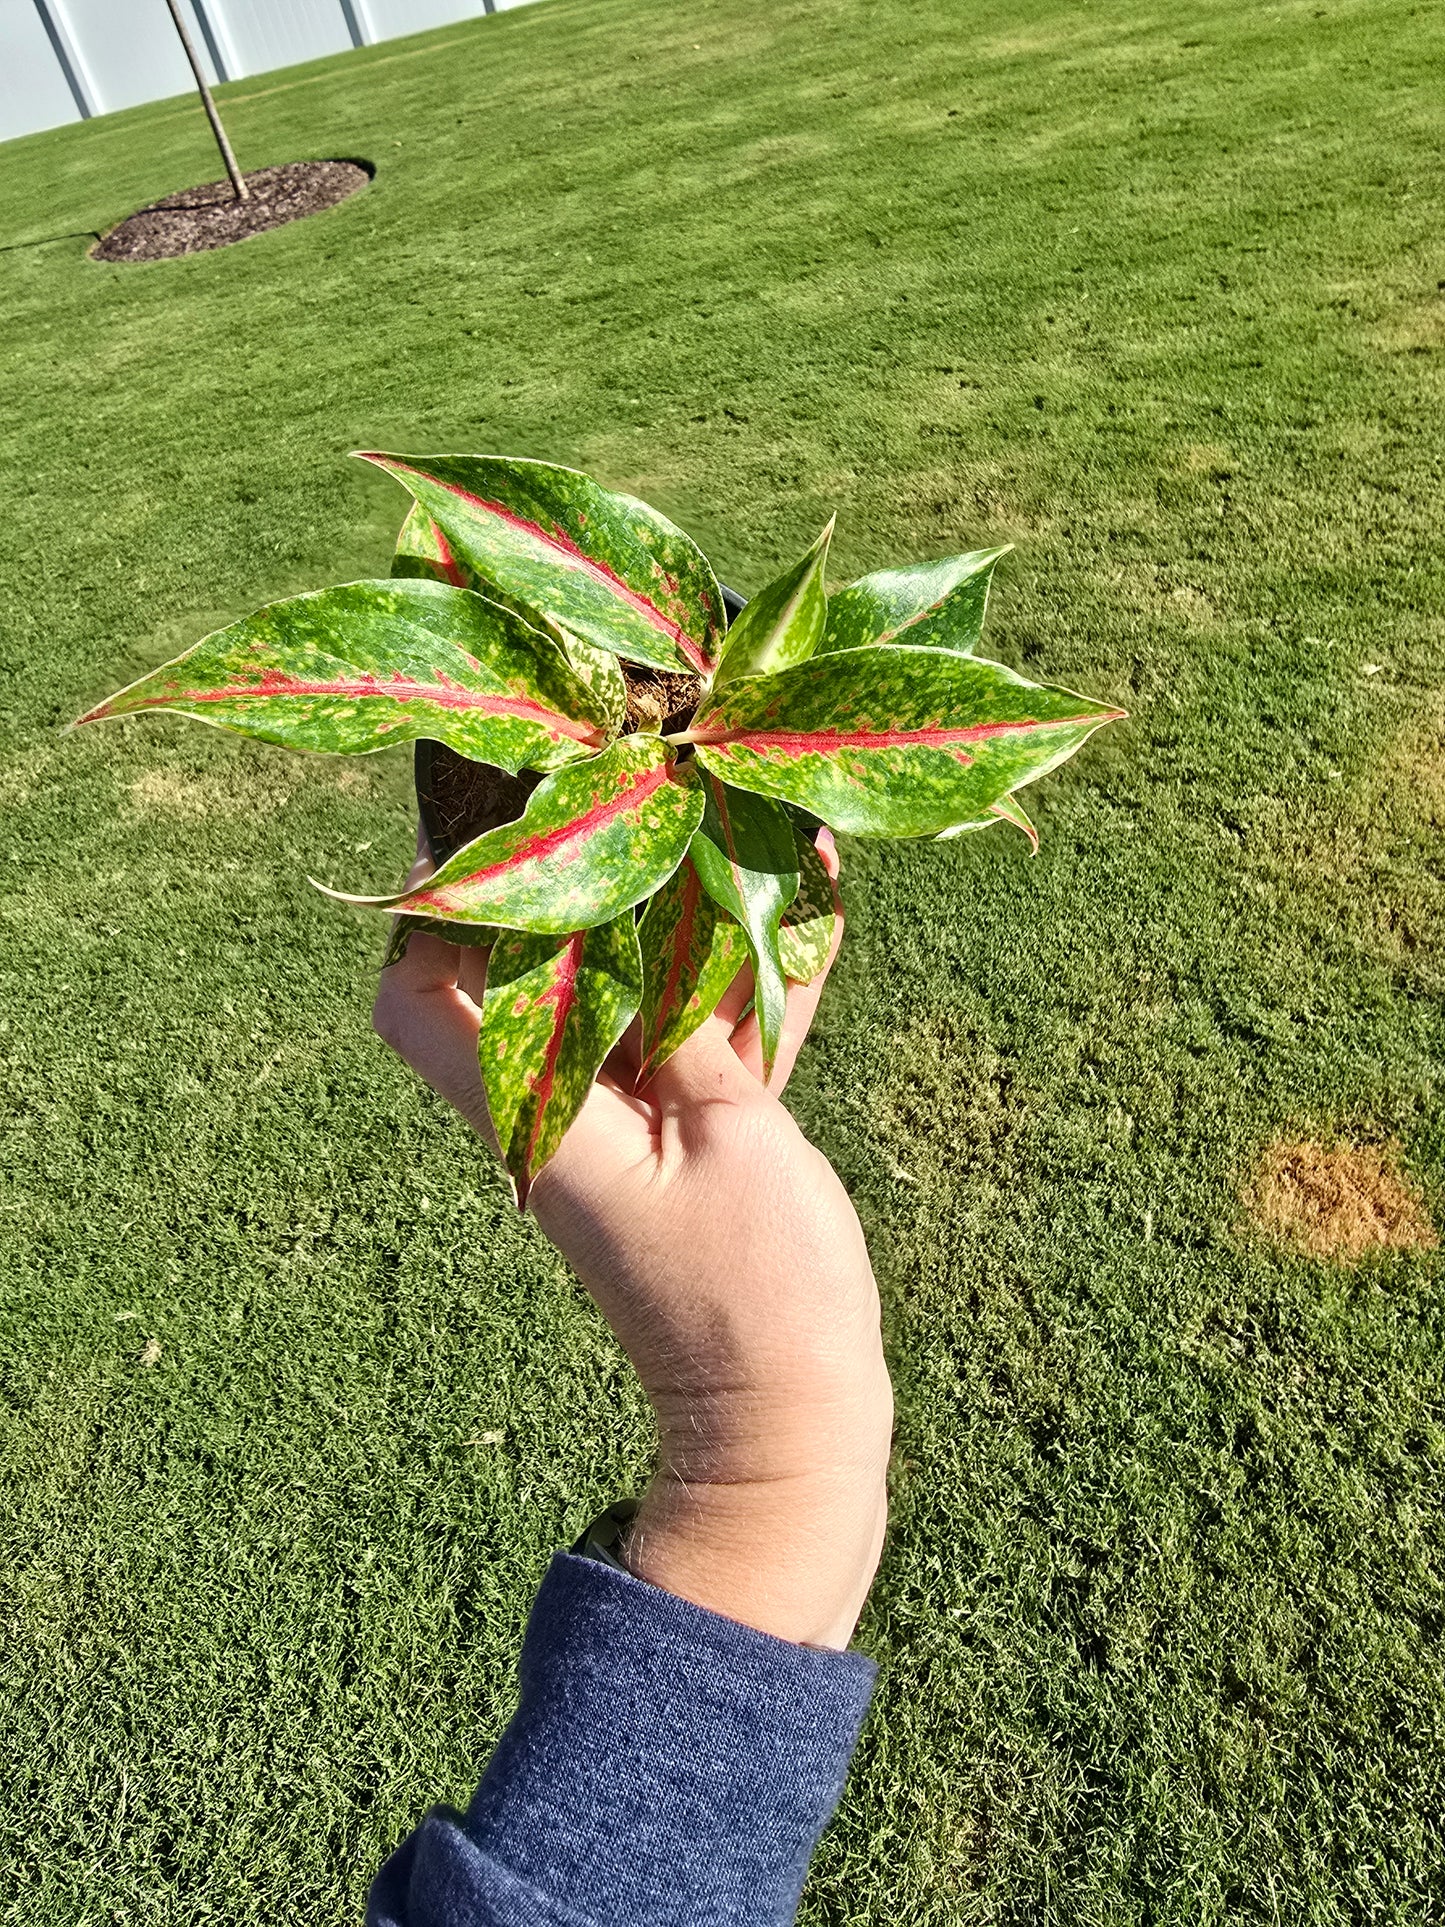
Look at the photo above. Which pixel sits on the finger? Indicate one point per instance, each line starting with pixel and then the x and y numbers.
pixel 421 868
pixel 427 963
pixel 826 846
pixel 427 1010
pixel 624 1060
pixel 472 971
pixel 423 864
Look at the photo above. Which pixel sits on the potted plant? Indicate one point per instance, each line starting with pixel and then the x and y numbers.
pixel 624 792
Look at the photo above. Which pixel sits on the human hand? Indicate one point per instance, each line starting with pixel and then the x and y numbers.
pixel 728 1259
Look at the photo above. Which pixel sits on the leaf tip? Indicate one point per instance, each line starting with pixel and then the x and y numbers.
pixel 390 463
pixel 102 713
pixel 365 903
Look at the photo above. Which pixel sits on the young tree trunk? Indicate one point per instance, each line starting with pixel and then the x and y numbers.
pixel 238 179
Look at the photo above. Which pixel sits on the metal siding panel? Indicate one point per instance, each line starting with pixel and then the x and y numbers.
pixel 131 52
pixel 390 19
pixel 278 33
pixel 33 89
pixel 127 50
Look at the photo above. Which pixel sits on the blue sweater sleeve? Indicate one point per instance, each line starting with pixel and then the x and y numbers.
pixel 665 1768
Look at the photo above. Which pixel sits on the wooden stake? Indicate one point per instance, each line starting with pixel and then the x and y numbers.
pixel 238 179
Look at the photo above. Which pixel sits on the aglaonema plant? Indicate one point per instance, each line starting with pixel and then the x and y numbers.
pixel 528 613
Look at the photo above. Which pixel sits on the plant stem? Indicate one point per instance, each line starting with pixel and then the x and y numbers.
pixel 238 179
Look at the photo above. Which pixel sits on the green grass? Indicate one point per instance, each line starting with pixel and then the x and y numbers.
pixel 1153 290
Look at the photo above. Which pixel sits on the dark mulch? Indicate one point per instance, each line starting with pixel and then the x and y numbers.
pixel 211 217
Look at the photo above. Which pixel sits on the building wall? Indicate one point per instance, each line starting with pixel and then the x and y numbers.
pixel 66 60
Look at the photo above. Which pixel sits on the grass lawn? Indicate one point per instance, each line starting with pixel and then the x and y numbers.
pixel 294 1407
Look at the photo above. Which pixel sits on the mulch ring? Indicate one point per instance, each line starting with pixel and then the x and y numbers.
pixel 211 217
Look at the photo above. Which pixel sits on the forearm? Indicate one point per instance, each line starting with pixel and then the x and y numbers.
pixel 772 1396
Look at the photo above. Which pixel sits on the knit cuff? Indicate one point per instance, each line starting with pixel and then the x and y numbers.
pixel 666 1766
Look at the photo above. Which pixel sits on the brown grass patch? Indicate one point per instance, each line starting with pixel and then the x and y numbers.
pixel 1340 1202
pixel 1416 330
pixel 168 792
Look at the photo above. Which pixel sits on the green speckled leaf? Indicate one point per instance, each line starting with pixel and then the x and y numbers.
pixel 552 1010
pixel 370 664
pixel 783 623
pixel 932 605
pixel 423 551
pixel 593 840
pixel 747 860
pixel 691 951
pixel 891 741
pixel 805 935
pixel 605 566
pixel 600 670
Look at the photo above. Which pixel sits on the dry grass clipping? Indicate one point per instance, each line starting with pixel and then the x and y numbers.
pixel 1339 1202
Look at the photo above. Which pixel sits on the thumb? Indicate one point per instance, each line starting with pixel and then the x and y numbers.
pixel 704 1071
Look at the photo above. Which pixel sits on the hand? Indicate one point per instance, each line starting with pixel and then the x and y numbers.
pixel 726 1256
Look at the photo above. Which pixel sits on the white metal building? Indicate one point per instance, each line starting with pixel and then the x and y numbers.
pixel 65 60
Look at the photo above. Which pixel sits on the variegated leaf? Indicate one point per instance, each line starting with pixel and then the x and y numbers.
pixel 805 935
pixel 783 623
pixel 746 857
pixel 691 951
pixel 422 550
pixel 552 1009
pixel 593 840
pixel 603 565
pixel 370 664
pixel 1007 809
pixel 932 605
pixel 891 741
pixel 600 670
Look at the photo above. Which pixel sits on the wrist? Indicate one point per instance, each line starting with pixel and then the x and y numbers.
pixel 785 1540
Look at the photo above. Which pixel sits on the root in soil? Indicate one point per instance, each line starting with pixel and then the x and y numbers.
pixel 659 698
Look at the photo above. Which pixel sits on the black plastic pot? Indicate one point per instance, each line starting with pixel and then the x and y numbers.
pixel 423 761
